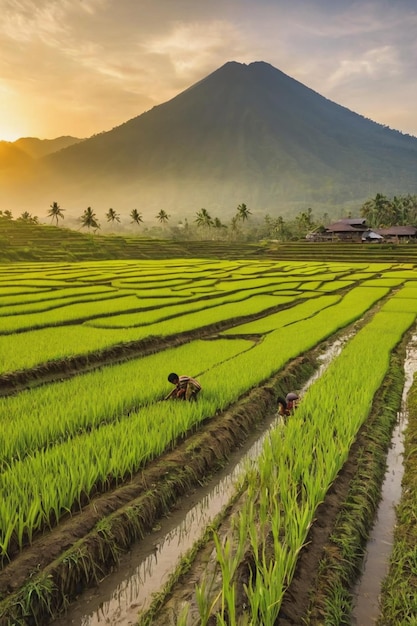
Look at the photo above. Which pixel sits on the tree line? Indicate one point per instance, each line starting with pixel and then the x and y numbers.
pixel 90 220
pixel 382 212
pixel 379 212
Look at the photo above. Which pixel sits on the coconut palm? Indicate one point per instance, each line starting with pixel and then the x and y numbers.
pixel 55 212
pixel 243 212
pixel 375 210
pixel 136 216
pixel 112 216
pixel 203 218
pixel 89 219
pixel 162 217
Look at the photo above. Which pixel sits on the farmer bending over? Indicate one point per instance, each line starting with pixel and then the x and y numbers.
pixel 186 388
pixel 287 405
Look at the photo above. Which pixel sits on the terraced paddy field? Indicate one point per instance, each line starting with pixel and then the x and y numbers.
pixel 92 459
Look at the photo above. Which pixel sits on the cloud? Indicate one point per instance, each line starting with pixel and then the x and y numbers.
pixel 188 52
pixel 374 64
pixel 91 64
pixel 29 20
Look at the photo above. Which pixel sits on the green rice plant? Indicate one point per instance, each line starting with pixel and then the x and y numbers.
pixel 58 342
pixel 63 474
pixel 398 601
pixel 282 318
pixel 40 417
pixel 67 313
pixel 205 607
pixel 210 312
pixel 49 304
pixel 36 593
pixel 9 293
pixel 339 284
pixel 309 453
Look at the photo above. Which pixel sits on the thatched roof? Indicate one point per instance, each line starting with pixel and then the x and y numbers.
pixel 346 226
pixel 398 231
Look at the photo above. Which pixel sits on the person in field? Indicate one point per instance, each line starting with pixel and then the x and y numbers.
pixel 287 405
pixel 186 388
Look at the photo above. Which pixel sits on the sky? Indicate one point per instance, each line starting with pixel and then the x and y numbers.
pixel 81 67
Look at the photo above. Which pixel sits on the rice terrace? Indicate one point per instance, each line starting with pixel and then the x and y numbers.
pixel 93 460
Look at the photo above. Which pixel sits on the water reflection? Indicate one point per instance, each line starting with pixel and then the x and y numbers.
pixel 379 546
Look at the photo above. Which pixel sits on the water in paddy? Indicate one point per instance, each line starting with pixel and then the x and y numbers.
pixel 378 550
pixel 119 597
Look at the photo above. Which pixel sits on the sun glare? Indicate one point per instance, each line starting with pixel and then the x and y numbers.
pixel 9 133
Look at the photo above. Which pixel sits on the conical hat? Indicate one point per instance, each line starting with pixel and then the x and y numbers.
pixel 291 396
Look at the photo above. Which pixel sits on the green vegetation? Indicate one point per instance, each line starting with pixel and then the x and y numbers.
pixel 103 454
pixel 398 598
pixel 25 241
pixel 298 465
pixel 237 324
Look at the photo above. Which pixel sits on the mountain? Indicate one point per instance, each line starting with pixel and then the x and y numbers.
pixel 245 133
pixel 37 148
pixel 12 157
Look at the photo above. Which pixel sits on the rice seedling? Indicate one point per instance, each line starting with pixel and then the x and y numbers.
pixel 309 455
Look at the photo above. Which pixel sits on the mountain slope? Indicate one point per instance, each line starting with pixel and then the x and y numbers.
pixel 12 157
pixel 245 133
pixel 37 148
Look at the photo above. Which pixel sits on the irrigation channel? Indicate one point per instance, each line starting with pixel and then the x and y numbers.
pixel 379 545
pixel 125 593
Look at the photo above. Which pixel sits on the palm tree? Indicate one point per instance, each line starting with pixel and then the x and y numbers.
pixel 136 216
pixel 204 218
pixel 112 216
pixel 55 212
pixel 243 212
pixel 375 210
pixel 162 217
pixel 89 219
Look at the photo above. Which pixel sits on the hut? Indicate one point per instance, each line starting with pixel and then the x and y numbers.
pixel 347 229
pixel 398 234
